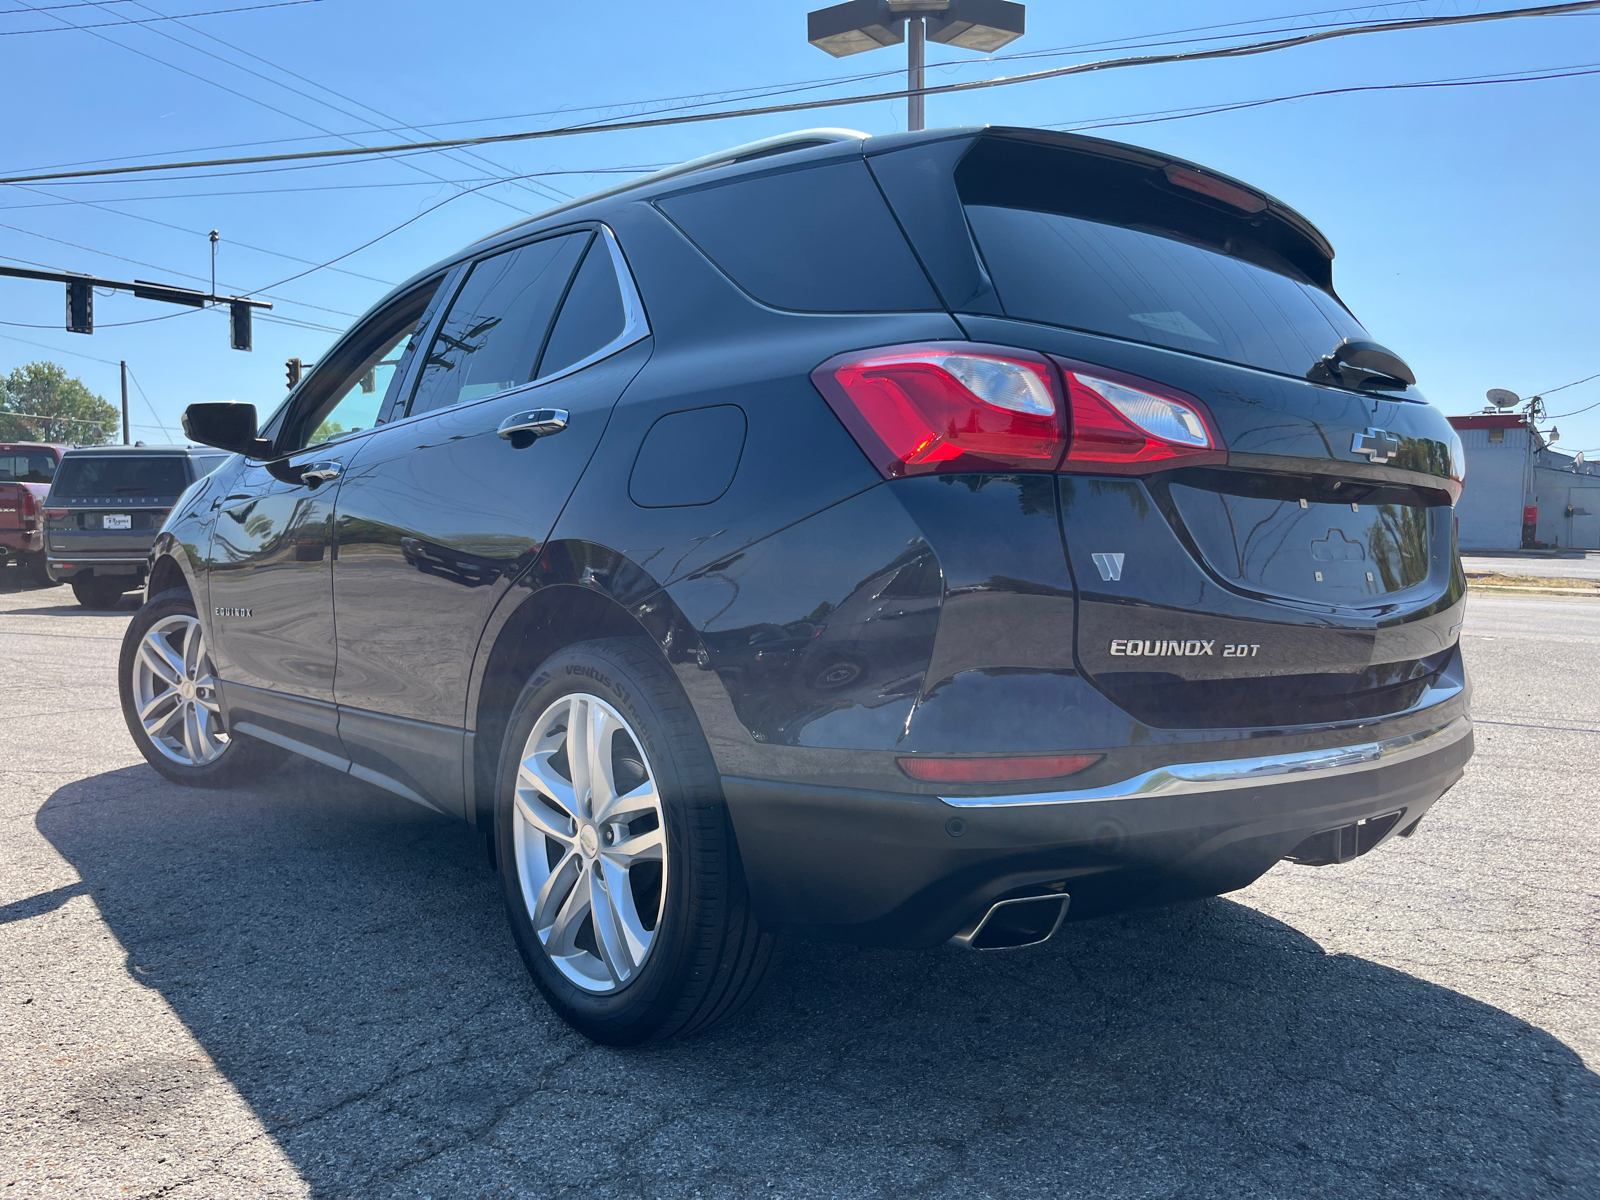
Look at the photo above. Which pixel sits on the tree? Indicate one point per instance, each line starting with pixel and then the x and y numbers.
pixel 42 403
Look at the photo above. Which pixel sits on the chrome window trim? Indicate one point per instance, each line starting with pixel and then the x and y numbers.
pixel 1229 774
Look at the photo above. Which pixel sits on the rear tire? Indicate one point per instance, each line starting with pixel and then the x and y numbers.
pixel 39 572
pixel 668 945
pixel 99 591
pixel 169 700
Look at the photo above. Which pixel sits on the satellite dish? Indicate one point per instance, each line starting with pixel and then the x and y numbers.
pixel 1501 398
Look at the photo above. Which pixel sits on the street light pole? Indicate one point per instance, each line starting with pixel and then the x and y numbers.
pixel 914 75
pixel 124 366
pixel 859 25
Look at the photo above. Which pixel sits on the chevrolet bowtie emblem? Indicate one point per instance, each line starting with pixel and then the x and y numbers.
pixel 1377 444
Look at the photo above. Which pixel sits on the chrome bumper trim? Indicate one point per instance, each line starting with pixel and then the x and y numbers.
pixel 1228 774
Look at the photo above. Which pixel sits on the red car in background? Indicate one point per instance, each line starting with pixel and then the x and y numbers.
pixel 26 469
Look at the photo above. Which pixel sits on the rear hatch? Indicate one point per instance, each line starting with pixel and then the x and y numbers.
pixel 1308 573
pixel 111 505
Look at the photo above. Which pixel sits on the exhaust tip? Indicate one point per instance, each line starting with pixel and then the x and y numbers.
pixel 1012 924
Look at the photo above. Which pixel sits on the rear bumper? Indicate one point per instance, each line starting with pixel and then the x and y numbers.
pixel 16 542
pixel 880 868
pixel 63 568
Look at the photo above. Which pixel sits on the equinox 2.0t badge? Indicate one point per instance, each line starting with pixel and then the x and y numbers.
pixel 1139 648
pixel 1379 445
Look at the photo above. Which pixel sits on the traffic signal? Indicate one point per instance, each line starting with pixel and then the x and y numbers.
pixel 80 306
pixel 294 368
pixel 239 325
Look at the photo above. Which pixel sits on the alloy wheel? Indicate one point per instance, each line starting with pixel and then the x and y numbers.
pixel 175 692
pixel 590 841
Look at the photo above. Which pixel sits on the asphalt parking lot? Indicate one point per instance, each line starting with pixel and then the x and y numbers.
pixel 307 988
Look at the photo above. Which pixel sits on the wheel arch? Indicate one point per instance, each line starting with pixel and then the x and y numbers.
pixel 576 591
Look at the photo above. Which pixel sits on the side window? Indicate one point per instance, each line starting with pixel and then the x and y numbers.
pixel 591 316
pixel 492 336
pixel 350 391
pixel 818 239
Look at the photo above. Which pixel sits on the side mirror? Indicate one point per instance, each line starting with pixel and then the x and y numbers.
pixel 227 425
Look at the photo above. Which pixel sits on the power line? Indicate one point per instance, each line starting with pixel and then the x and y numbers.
pixel 697 98
pixel 214 12
pixel 232 91
pixel 165 270
pixel 154 415
pixel 1239 51
pixel 1206 110
pixel 73 353
pixel 280 68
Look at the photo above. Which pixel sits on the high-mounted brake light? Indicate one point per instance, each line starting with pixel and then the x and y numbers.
pixel 1124 425
pixel 918 410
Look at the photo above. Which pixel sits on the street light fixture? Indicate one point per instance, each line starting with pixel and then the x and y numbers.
pixel 860 25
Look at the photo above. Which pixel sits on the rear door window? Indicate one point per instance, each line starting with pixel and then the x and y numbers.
pixel 592 315
pixel 117 475
pixel 1155 287
pixel 818 239
pixel 494 332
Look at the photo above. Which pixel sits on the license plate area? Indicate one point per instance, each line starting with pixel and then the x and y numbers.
pixel 116 521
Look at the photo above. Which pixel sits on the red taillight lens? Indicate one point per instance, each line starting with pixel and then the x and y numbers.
pixel 30 504
pixel 55 514
pixel 996 770
pixel 958 406
pixel 1124 425
pixel 918 410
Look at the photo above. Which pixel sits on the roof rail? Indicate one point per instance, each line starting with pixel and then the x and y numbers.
pixel 798 140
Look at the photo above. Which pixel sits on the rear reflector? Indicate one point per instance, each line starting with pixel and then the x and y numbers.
pixel 995 770
pixel 942 407
pixel 925 409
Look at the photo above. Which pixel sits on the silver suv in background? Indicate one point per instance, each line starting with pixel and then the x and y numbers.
pixel 105 507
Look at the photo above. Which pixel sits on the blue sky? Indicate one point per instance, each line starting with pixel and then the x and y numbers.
pixel 1464 218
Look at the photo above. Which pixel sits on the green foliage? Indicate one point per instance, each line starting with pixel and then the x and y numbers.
pixel 59 407
pixel 326 432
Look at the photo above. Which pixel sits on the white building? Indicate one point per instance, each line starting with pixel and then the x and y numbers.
pixel 1521 494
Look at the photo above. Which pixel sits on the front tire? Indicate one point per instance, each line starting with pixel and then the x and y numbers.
pixel 622 880
pixel 170 701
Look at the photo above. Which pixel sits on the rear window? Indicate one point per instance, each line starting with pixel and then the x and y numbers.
pixel 27 466
pixel 818 239
pixel 1154 287
pixel 1104 238
pixel 120 475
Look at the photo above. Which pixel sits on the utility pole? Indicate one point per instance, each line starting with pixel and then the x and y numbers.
pixel 124 366
pixel 859 25
pixel 215 237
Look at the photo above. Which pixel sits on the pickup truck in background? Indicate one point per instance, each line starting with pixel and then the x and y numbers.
pixel 26 471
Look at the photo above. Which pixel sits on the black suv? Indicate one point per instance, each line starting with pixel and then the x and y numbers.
pixel 899 540
pixel 105 506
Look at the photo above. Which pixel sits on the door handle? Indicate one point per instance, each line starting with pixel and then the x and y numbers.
pixel 521 429
pixel 320 472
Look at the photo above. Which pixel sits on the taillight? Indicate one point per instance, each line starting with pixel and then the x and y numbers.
pixel 55 514
pixel 958 406
pixel 30 504
pixel 917 410
pixel 1124 425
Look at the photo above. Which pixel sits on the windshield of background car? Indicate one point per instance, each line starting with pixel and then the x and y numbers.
pixel 120 475
pixel 1153 287
pixel 27 466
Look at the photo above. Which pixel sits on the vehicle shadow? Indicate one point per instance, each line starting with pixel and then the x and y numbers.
pixel 343 958
pixel 15 579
